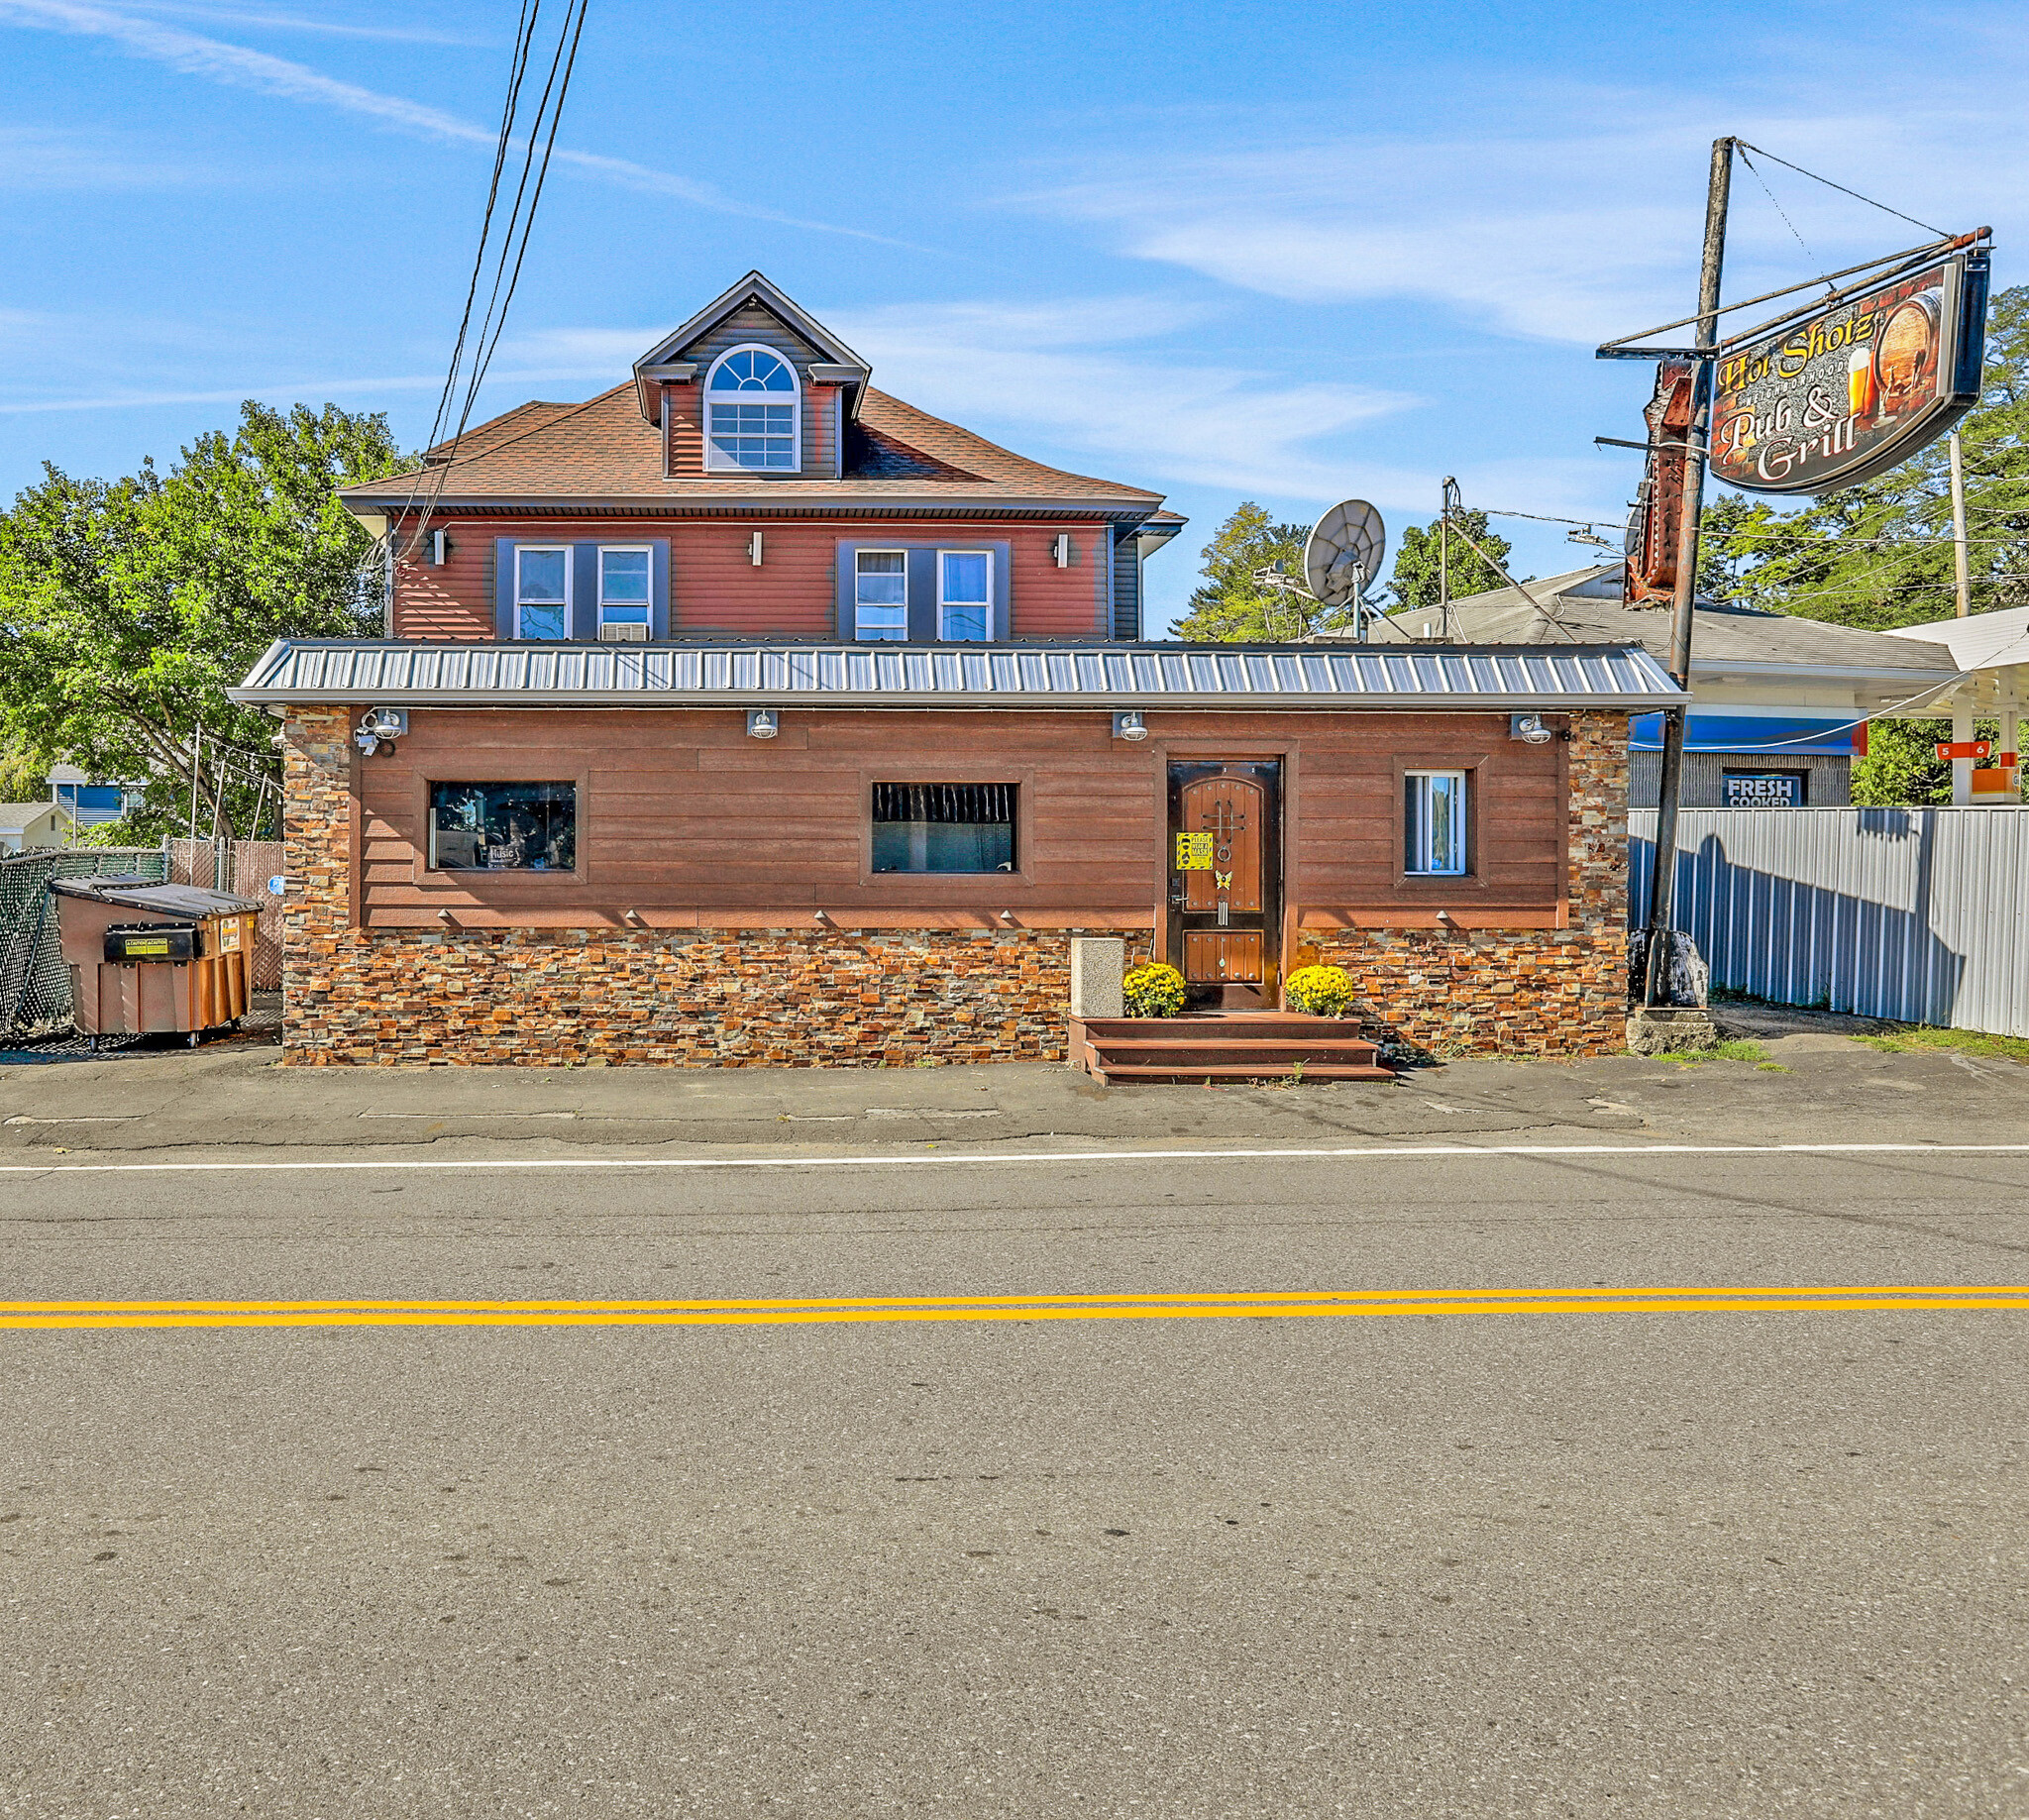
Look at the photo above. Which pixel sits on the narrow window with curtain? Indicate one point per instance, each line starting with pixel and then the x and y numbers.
pixel 944 827
pixel 1434 823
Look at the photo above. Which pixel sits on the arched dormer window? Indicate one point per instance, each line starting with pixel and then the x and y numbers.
pixel 750 404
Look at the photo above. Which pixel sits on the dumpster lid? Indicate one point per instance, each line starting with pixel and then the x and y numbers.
pixel 165 900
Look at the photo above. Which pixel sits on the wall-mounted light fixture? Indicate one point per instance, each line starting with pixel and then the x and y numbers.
pixel 754 549
pixel 1131 723
pixel 380 726
pixel 441 547
pixel 1061 549
pixel 1531 729
pixel 763 724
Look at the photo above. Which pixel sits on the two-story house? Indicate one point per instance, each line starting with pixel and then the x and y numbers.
pixel 746 713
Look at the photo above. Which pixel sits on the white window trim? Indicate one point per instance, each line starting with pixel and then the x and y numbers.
pixel 858 637
pixel 714 463
pixel 1463 834
pixel 570 578
pixel 646 550
pixel 962 550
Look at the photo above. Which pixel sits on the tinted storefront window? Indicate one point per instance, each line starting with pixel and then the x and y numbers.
pixel 504 827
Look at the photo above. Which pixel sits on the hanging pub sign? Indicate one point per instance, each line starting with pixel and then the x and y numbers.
pixel 1841 396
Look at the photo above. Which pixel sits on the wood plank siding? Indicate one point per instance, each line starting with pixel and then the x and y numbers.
pixel 716 590
pixel 686 820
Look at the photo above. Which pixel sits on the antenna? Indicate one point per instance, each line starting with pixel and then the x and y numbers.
pixel 1344 555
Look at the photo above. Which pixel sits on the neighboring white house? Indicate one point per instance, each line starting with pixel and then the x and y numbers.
pixel 1780 703
pixel 34 825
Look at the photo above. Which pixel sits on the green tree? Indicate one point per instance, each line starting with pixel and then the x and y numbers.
pixel 128 608
pixel 1879 554
pixel 1902 770
pixel 24 774
pixel 1423 553
pixel 1230 606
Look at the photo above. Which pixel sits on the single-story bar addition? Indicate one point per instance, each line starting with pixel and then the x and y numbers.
pixel 745 715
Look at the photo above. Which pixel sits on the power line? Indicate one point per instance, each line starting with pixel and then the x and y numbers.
pixel 515 239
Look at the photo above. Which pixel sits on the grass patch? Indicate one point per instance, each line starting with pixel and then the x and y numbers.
pixel 1733 1049
pixel 1915 1038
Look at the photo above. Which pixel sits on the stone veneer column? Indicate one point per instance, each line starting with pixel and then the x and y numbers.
pixel 317 835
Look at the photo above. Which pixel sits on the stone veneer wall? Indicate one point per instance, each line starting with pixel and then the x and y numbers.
pixel 1526 991
pixel 833 998
pixel 704 997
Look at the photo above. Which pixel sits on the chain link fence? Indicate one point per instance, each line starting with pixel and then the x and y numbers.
pixel 35 984
pixel 243 868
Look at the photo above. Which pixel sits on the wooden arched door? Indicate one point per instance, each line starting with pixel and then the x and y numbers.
pixel 1225 877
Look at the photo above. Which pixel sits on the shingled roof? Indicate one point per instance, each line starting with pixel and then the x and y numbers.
pixel 605 452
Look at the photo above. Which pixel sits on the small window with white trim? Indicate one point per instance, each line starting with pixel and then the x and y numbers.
pixel 542 590
pixel 1434 823
pixel 880 594
pixel 625 593
pixel 751 417
pixel 965 594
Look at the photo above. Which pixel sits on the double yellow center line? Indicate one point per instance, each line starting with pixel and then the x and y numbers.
pixel 1208 1305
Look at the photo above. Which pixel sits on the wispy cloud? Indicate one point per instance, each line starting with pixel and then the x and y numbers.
pixel 44 158
pixel 1070 372
pixel 233 66
pixel 1569 234
pixel 297 22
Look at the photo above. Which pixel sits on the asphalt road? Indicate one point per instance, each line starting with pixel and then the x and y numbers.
pixel 1678 1563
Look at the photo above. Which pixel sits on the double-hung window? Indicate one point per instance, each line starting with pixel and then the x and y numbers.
pixel 542 590
pixel 880 594
pixel 625 595
pixel 965 594
pixel 1433 808
pixel 750 407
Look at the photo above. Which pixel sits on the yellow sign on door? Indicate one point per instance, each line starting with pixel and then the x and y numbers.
pixel 1193 852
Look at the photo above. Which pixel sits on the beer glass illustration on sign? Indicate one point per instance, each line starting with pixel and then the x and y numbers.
pixel 1860 383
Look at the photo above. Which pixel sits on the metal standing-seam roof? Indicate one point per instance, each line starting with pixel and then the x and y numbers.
pixel 407 673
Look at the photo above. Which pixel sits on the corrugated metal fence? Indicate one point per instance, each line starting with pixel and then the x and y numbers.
pixel 1916 914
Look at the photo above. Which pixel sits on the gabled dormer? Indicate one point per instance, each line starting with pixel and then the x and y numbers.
pixel 752 388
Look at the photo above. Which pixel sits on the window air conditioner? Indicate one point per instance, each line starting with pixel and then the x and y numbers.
pixel 623 634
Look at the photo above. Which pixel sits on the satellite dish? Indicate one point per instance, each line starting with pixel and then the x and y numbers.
pixel 1345 552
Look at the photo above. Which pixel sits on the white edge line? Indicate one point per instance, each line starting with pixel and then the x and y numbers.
pixel 1027 1156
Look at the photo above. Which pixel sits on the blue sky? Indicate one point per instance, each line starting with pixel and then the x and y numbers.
pixel 1234 249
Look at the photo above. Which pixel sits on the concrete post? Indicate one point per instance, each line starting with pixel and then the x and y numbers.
pixel 1097 964
pixel 1962 768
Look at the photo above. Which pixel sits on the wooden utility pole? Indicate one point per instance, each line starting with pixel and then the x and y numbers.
pixel 1662 881
pixel 1964 580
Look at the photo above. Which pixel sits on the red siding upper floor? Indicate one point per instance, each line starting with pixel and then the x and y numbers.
pixel 713 588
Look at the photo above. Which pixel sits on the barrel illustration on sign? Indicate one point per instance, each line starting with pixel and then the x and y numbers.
pixel 1856 388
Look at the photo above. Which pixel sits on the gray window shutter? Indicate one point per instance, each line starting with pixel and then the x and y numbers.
pixel 504 587
pixel 585 593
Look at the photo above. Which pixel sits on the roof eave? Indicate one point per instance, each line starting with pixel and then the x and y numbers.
pixel 1096 702
pixel 966 501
